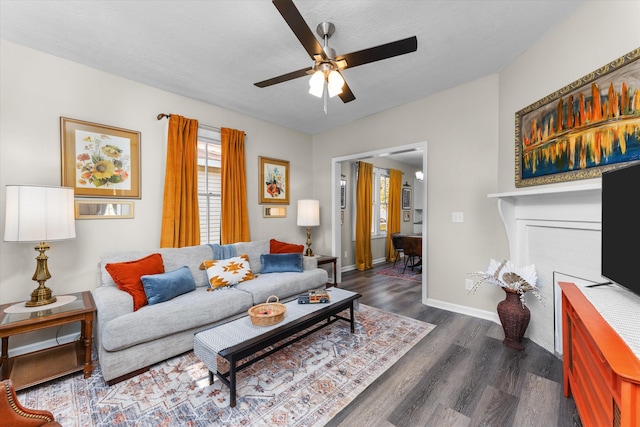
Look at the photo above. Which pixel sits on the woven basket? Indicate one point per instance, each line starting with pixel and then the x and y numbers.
pixel 267 314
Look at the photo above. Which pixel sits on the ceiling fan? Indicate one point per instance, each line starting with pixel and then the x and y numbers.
pixel 327 66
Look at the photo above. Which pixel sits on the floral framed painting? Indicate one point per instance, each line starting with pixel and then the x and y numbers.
pixel 100 160
pixel 587 127
pixel 274 181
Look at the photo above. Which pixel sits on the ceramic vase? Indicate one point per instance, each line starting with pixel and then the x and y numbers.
pixel 514 318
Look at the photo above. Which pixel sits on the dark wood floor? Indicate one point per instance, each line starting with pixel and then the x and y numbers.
pixel 458 375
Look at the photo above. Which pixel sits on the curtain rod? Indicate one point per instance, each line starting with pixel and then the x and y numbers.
pixel 214 128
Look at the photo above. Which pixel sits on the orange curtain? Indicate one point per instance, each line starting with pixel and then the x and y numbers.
pixel 180 215
pixel 394 210
pixel 235 219
pixel 364 258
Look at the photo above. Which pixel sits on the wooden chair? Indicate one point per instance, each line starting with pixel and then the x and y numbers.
pixel 396 241
pixel 413 249
pixel 12 413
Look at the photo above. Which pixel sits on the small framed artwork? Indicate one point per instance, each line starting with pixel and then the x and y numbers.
pixel 343 194
pixel 341 217
pixel 274 181
pixel 100 160
pixel 274 211
pixel 110 209
pixel 406 216
pixel 406 198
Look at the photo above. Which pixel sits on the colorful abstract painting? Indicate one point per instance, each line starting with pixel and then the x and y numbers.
pixel 584 128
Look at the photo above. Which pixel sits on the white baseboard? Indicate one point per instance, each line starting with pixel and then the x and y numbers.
pixel 462 309
pixel 41 345
pixel 353 266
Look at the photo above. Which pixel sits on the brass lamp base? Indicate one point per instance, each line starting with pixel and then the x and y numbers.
pixel 41 295
pixel 309 252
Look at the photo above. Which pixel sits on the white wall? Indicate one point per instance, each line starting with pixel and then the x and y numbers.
pixel 595 35
pixel 38 88
pixel 461 127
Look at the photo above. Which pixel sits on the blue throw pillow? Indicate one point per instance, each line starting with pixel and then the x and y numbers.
pixel 279 263
pixel 163 287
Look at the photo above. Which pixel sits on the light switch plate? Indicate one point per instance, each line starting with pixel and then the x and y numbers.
pixel 457 217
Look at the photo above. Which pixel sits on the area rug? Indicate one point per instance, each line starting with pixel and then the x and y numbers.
pixel 305 384
pixel 397 272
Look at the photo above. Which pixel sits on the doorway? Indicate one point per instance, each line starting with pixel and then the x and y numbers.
pixel 396 153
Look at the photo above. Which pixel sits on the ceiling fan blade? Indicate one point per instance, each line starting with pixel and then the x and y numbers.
pixel 299 27
pixel 378 53
pixel 285 77
pixel 346 95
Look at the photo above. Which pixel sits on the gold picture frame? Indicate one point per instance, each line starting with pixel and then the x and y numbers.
pixel 587 127
pixel 273 186
pixel 406 216
pixel 100 160
pixel 274 211
pixel 107 209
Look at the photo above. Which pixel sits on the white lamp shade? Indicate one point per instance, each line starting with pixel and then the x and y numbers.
pixel 39 214
pixel 316 84
pixel 308 213
pixel 335 83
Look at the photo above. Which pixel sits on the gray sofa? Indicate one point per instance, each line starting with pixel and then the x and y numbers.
pixel 128 341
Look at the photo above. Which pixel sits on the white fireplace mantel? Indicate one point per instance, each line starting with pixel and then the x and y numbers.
pixel 558 230
pixel 575 204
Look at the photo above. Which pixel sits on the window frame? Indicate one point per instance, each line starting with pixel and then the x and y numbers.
pixel 208 136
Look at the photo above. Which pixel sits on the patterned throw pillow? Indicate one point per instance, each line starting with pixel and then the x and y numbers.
pixel 224 273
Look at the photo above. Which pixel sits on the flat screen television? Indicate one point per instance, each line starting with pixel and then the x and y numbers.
pixel 621 226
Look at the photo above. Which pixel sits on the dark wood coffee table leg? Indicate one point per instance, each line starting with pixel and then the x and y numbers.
pixel 232 383
pixel 353 323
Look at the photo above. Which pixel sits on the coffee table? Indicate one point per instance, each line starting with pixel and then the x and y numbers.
pixel 239 339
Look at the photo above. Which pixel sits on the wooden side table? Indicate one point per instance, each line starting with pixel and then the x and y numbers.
pixel 29 369
pixel 326 259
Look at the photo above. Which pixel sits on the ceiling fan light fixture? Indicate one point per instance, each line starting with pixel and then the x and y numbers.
pixel 335 83
pixel 316 84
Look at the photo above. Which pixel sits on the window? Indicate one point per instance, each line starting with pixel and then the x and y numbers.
pixel 209 183
pixel 380 202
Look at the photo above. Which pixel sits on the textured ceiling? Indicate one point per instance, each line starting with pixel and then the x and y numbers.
pixel 215 50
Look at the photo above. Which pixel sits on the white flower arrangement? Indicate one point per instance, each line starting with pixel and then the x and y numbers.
pixel 508 276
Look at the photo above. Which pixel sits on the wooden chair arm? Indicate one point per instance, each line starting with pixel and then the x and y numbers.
pixel 14 414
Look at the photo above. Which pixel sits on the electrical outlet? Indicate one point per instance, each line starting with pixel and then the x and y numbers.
pixel 468 284
pixel 346 254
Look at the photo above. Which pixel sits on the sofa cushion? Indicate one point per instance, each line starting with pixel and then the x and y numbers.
pixel 279 263
pixel 278 247
pixel 284 285
pixel 165 286
pixel 127 275
pixel 254 249
pixel 187 311
pixel 228 272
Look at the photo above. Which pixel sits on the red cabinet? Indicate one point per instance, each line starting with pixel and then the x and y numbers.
pixel 600 370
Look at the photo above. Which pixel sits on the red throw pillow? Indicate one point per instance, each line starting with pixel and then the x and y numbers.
pixel 277 247
pixel 127 276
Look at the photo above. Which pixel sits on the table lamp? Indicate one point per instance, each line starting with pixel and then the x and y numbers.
pixel 308 216
pixel 39 214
